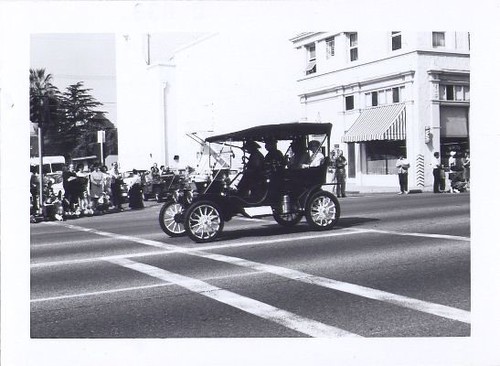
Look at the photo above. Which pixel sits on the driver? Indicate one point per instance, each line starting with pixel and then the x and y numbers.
pixel 253 173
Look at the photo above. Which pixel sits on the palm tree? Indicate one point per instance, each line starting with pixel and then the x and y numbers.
pixel 43 95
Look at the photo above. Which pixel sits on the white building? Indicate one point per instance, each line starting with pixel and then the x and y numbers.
pixel 388 93
pixel 213 84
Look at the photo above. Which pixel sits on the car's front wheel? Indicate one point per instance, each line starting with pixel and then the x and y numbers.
pixel 203 221
pixel 172 219
pixel 322 210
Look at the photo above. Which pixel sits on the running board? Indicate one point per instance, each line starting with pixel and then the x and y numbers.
pixel 257 212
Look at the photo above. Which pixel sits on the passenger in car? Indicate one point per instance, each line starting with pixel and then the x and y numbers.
pixel 274 159
pixel 317 156
pixel 300 156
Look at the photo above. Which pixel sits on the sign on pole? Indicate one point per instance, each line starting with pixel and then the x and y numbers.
pixel 101 138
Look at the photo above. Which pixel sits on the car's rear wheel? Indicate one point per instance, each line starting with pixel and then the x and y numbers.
pixel 203 221
pixel 322 210
pixel 172 219
pixel 289 219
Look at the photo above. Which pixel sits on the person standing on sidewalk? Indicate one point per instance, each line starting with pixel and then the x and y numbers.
pixel 403 165
pixel 116 183
pixel 438 173
pixel 340 163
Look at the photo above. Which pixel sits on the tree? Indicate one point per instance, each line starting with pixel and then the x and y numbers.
pixel 44 105
pixel 69 120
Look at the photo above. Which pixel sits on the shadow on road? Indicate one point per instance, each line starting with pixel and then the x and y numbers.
pixel 274 229
pixel 346 222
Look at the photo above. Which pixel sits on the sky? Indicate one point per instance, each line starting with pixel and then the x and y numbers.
pixel 71 58
pixel 91 58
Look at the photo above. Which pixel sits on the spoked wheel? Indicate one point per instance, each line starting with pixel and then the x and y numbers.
pixel 172 219
pixel 203 221
pixel 322 210
pixel 290 219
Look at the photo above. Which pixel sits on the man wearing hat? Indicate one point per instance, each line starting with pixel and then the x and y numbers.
pixel 253 172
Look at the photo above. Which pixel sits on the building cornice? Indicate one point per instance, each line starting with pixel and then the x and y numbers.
pixel 361 64
pixel 357 84
pixel 306 38
pixel 303 36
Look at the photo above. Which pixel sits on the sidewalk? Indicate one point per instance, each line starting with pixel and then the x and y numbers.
pixel 354 189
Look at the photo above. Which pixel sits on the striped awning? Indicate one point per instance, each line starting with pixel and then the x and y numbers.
pixel 386 122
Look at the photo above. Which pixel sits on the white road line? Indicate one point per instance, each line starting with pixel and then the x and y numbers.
pixel 403 301
pixel 174 249
pixel 422 235
pixel 353 289
pixel 127 289
pixel 97 293
pixel 288 319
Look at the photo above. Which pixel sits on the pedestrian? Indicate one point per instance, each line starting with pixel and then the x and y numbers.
pixel 154 170
pixel 467 169
pixel 135 191
pixel 176 165
pixel 340 174
pixel 70 186
pixel 106 181
pixel 455 164
pixel 403 165
pixel 82 186
pixel 116 184
pixel 96 185
pixel 438 174
pixel 35 189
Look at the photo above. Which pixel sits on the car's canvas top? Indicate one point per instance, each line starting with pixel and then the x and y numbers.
pixel 283 131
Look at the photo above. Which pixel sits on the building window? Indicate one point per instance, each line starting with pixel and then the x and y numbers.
pixel 450 92
pixel 353 46
pixel 381 156
pixel 395 95
pixel 396 40
pixel 349 102
pixel 384 96
pixel 458 93
pixel 374 99
pixel 330 47
pixel 311 54
pixel 438 39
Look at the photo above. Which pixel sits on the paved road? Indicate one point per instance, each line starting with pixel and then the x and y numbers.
pixel 396 266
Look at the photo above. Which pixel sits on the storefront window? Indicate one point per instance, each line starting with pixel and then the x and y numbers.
pixel 381 156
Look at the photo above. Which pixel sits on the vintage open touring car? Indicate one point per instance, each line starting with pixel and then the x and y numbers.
pixel 290 188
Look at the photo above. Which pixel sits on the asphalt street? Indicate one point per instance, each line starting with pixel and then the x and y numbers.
pixel 395 266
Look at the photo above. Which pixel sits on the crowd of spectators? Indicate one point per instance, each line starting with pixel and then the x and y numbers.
pixel 83 193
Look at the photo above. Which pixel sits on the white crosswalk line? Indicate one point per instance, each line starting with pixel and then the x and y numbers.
pixel 288 319
pixel 402 301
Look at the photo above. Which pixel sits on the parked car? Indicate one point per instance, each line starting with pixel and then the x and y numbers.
pixel 290 193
